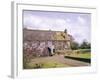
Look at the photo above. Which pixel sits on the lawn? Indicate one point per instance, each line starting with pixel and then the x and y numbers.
pixel 44 65
pixel 86 55
pixel 81 55
pixel 44 62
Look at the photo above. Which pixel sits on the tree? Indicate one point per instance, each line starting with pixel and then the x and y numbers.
pixel 85 45
pixel 74 45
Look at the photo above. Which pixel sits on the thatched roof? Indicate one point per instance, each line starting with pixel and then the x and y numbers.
pixel 31 35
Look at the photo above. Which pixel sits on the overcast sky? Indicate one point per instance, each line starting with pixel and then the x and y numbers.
pixel 77 24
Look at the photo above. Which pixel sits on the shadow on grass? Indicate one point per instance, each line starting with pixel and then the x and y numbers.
pixel 79 59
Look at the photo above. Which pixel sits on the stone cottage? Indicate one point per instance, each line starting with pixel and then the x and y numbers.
pixel 37 41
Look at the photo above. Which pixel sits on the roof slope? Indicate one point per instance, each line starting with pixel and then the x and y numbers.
pixel 30 35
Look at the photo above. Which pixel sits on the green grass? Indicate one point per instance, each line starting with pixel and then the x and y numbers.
pixel 86 55
pixel 80 53
pixel 44 65
pixel 53 65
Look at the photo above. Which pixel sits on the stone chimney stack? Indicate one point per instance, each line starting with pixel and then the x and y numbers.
pixel 66 35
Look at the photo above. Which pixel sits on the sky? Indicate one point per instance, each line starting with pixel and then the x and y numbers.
pixel 77 24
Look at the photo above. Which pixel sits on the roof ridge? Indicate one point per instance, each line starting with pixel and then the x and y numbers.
pixel 43 30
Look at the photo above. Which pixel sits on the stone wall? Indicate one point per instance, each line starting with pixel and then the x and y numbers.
pixel 40 48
